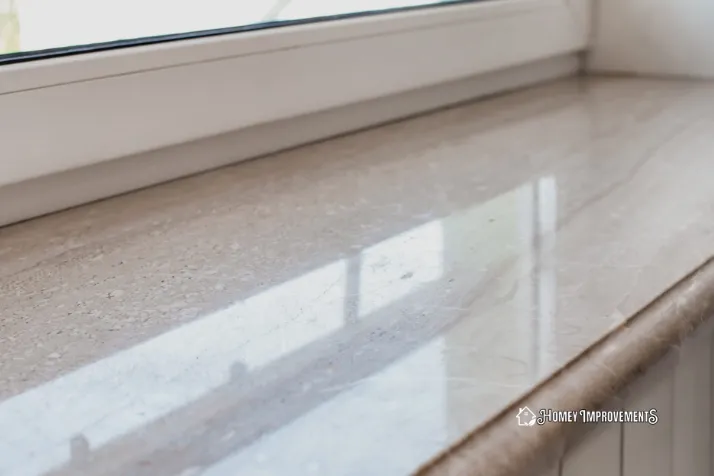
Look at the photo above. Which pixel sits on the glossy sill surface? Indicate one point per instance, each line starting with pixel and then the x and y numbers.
pixel 355 306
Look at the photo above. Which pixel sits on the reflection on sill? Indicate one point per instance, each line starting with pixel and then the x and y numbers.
pixel 82 413
pixel 34 25
pixel 397 267
pixel 423 375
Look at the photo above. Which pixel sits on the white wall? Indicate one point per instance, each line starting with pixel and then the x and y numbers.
pixel 662 37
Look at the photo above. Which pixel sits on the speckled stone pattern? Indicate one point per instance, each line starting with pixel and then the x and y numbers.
pixel 375 304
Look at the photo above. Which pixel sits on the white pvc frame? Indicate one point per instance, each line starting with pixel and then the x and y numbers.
pixel 69 112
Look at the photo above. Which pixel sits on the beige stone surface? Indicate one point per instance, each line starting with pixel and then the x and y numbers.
pixel 361 305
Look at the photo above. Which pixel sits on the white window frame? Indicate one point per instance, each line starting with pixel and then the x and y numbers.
pixel 69 112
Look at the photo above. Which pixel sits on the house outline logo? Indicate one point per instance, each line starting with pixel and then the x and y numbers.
pixel 526 417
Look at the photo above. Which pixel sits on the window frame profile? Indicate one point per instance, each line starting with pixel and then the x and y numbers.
pixel 129 101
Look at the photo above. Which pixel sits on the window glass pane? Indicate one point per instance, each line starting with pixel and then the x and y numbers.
pixel 31 29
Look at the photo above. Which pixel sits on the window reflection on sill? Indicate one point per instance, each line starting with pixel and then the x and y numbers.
pixel 432 396
pixel 98 406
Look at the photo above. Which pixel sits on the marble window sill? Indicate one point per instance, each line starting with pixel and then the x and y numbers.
pixel 378 303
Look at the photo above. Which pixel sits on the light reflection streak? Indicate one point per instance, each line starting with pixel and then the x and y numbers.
pixel 80 412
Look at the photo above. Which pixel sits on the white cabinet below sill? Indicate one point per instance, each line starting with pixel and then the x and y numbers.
pixel 680 444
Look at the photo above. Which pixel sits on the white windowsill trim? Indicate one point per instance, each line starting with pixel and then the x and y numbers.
pixel 62 114
pixel 59 191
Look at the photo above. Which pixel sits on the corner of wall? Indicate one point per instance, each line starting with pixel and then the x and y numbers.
pixel 653 37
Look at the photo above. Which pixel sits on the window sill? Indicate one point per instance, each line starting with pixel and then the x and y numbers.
pixel 126 102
